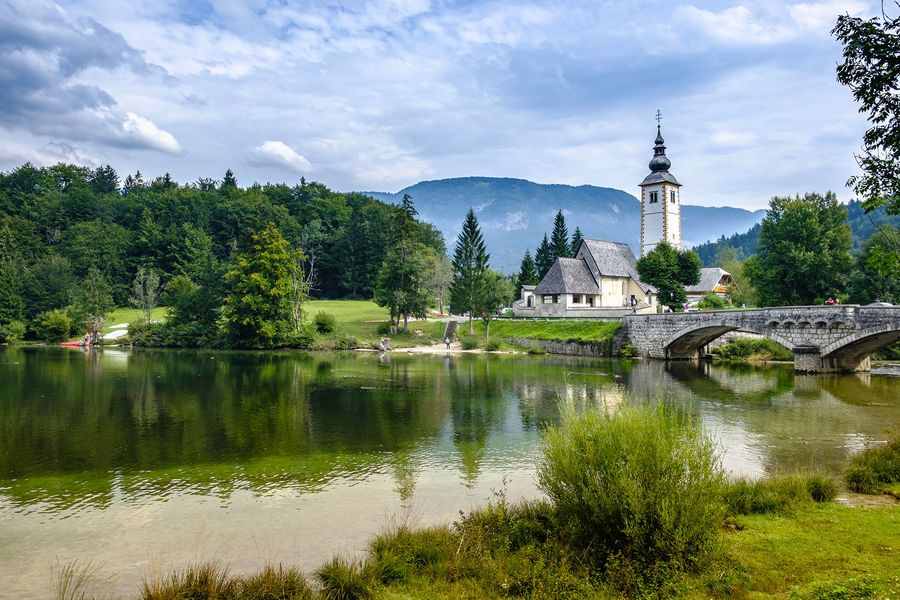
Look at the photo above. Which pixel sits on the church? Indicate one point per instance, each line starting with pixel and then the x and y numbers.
pixel 602 279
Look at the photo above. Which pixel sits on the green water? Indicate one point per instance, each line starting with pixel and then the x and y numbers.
pixel 139 462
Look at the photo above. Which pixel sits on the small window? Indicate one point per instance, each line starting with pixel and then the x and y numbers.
pixel 576 299
pixel 654 197
pixel 590 300
pixel 555 298
pixel 547 299
pixel 672 196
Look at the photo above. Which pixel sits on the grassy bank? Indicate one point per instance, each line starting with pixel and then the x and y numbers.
pixel 559 330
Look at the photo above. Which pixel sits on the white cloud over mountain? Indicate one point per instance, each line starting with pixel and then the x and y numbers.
pixel 378 94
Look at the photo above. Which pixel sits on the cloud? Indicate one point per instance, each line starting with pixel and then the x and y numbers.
pixel 737 25
pixel 821 16
pixel 275 153
pixel 145 132
pixel 45 56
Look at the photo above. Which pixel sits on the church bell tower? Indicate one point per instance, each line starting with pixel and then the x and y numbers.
pixel 660 200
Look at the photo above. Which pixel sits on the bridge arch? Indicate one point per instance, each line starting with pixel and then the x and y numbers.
pixel 860 344
pixel 685 343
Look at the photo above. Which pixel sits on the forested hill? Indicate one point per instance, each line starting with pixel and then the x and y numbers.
pixel 58 223
pixel 514 213
pixel 862 226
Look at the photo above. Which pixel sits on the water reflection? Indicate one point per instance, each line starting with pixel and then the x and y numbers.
pixel 92 444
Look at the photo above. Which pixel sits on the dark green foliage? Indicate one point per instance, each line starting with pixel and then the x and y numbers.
pixel 12 332
pixel 54 325
pixel 528 274
pixel 492 346
pixel 470 262
pixel 871 69
pixel 577 238
pixel 559 239
pixel 344 580
pixel 804 251
pixel 496 292
pixel 324 322
pixel 669 270
pixel 92 298
pixel 741 349
pixel 470 342
pixel 743 244
pixel 777 494
pixel 877 273
pixel 712 302
pixel 871 470
pixel 641 486
pixel 543 258
pixel 57 223
pixel 403 284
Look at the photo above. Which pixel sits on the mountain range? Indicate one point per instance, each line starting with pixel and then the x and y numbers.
pixel 515 213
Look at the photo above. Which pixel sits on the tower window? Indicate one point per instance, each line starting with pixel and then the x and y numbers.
pixel 672 196
pixel 654 197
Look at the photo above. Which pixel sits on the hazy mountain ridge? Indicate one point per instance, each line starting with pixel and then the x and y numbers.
pixel 515 213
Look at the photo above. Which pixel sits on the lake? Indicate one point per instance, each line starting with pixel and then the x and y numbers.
pixel 138 462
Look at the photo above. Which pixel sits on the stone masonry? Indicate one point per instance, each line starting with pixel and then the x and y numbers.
pixel 822 338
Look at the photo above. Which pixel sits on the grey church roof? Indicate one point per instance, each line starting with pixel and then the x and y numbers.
pixel 709 279
pixel 568 276
pixel 614 259
pixel 660 177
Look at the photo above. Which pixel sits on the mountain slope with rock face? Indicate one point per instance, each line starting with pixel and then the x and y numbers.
pixel 514 213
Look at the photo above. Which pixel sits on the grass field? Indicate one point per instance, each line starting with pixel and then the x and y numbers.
pixel 360 319
pixel 130 315
pixel 559 330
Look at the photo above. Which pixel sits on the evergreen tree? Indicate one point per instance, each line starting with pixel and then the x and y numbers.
pixel 403 284
pixel 803 255
pixel 528 274
pixel 577 238
pixel 559 239
pixel 104 180
pixel 229 182
pixel 669 270
pixel 470 261
pixel 543 259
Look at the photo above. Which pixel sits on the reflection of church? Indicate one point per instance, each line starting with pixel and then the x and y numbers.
pixel 602 279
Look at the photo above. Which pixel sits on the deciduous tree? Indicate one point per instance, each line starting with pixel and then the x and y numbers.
pixel 669 270
pixel 804 251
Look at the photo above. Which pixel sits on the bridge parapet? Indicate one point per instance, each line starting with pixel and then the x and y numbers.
pixel 823 338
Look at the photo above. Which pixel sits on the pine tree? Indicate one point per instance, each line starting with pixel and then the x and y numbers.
pixel 470 262
pixel 543 259
pixel 559 239
pixel 577 238
pixel 229 182
pixel 528 274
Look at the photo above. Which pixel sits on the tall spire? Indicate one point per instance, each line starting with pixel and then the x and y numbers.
pixel 659 162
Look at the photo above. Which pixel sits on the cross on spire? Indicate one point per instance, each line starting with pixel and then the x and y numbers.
pixel 658 118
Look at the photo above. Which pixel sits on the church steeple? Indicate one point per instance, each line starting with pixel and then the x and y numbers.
pixel 659 162
pixel 660 199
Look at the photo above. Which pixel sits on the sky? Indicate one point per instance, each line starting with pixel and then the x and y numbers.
pixel 381 94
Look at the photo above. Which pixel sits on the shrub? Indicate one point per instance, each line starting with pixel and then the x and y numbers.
pixel 642 485
pixel 54 325
pixel 536 349
pixel 776 494
pixel 384 328
pixel 627 351
pixel 343 580
pixel 872 470
pixel 744 348
pixel 850 589
pixel 712 302
pixel 325 322
pixel 276 584
pixel 492 346
pixel 346 342
pixel 302 339
pixel 196 581
pixel 469 342
pixel 12 332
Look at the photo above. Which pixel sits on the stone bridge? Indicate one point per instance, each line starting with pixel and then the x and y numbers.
pixel 822 338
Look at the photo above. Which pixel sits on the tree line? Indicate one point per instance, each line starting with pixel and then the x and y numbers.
pixel 75 242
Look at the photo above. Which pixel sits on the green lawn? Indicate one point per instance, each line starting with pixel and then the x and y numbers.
pixel 130 315
pixel 558 330
pixel 360 319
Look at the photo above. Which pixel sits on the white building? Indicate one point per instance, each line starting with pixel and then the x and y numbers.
pixel 602 279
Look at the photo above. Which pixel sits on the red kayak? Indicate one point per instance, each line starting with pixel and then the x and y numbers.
pixel 71 344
